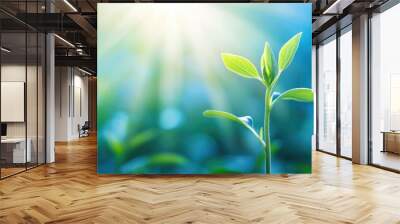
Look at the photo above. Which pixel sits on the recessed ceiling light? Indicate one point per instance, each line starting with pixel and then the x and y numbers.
pixel 337 7
pixel 84 71
pixel 70 5
pixel 64 40
pixel 5 50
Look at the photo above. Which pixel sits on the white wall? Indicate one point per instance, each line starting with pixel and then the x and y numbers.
pixel 71 102
pixel 81 102
pixel 33 127
pixel 62 82
pixel 12 73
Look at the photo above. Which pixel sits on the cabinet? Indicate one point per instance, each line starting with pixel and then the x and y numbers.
pixel 391 141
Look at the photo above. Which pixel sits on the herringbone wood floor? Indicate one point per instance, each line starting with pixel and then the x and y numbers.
pixel 70 191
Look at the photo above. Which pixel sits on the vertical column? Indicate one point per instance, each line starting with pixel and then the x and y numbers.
pixel 338 80
pixel 360 90
pixel 92 100
pixel 50 92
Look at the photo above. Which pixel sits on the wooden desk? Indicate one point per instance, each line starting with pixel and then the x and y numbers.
pixel 391 141
pixel 13 150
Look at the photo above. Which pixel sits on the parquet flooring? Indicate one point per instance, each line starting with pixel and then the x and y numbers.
pixel 70 191
pixel 10 171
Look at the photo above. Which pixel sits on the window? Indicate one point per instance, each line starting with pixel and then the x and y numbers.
pixel 385 89
pixel 346 92
pixel 327 96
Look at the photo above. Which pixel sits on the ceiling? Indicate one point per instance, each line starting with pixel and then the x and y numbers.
pixel 75 21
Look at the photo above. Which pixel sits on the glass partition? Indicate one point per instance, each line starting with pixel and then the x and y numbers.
pixel 32 95
pixel 41 107
pixel 14 153
pixel 22 89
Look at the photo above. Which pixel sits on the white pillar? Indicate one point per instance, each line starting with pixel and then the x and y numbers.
pixel 50 99
pixel 50 92
pixel 360 90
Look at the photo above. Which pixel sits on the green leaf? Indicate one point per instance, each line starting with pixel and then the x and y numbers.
pixel 240 65
pixel 116 146
pixel 268 64
pixel 297 94
pixel 288 51
pixel 167 159
pixel 141 138
pixel 261 133
pixel 232 117
pixel 223 114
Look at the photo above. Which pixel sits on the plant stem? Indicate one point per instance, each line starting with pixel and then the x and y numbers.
pixel 266 131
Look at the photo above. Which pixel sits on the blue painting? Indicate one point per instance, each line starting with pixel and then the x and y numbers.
pixel 195 88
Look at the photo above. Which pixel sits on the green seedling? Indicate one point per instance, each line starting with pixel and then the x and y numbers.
pixel 271 72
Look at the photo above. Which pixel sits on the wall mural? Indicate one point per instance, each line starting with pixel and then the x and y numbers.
pixel 204 88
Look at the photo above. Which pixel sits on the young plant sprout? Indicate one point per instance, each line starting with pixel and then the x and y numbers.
pixel 271 72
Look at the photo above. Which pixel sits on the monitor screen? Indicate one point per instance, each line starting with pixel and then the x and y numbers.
pixel 3 129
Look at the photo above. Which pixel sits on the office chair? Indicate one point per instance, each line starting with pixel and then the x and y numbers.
pixel 84 130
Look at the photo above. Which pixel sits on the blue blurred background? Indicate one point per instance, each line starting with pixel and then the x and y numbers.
pixel 159 68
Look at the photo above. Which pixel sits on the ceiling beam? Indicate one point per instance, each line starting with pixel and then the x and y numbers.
pixel 82 61
pixel 84 24
pixel 338 6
